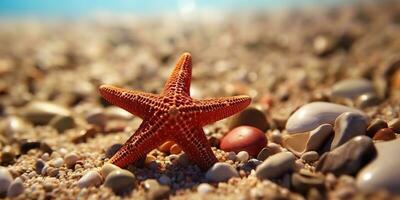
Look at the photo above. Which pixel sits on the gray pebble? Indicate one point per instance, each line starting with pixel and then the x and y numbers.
pixel 121 181
pixel 220 172
pixel 40 112
pixel 348 158
pixel 39 165
pixel 62 123
pixel 310 156
pixel 5 180
pixel 368 100
pixel 352 88
pixel 107 169
pixel 16 188
pixel 348 125
pixel 276 166
pixel 113 149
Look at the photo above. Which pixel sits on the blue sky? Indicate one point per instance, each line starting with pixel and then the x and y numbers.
pixel 72 8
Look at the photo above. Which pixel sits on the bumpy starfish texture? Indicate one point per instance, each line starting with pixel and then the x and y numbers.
pixel 172 115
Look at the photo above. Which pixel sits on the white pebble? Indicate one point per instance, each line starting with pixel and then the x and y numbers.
pixel 204 188
pixel 91 178
pixel 57 162
pixel 243 156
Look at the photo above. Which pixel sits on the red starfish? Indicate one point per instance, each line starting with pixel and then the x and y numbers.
pixel 172 115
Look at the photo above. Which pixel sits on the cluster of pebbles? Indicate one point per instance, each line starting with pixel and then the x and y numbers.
pixel 324 121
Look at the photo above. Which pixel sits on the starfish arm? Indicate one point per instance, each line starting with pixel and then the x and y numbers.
pixel 146 138
pixel 195 144
pixel 140 104
pixel 179 80
pixel 212 110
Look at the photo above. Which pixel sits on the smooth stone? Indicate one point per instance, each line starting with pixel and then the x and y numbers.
pixel 39 165
pixel 164 180
pixel 244 138
pixel 251 116
pixel 394 124
pixel 352 88
pixel 231 156
pixel 107 169
pixel 264 154
pixel 57 162
pixel 348 125
pixel 303 183
pixel 91 178
pixel 5 180
pixel 242 156
pixel 368 100
pixel 158 193
pixel 310 156
pixel 7 155
pixel 385 134
pixel 41 112
pixel 114 112
pixel 275 166
pixel 16 188
pixel 113 149
pixel 309 141
pixel 97 118
pixel 150 184
pixel 13 126
pixel 275 137
pixel 312 115
pixel 62 123
pixel 349 157
pixel 375 126
pixel 204 188
pixel 71 159
pixel 221 172
pixel 121 181
pixel 382 173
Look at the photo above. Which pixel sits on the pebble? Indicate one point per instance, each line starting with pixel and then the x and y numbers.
pixel 62 123
pixel 231 156
pixel 166 146
pixel 375 126
pixel 310 156
pixel 150 184
pixel 385 134
pixel 97 118
pixel 349 157
pixel 309 141
pixel 39 165
pixel 302 183
pixel 13 126
pixel 114 112
pixel 312 115
pixel 107 169
pixel 221 172
pixel 175 149
pixel 264 154
pixel 204 188
pixel 382 172
pixel 5 180
pixel 394 124
pixel 112 150
pixel 242 156
pixel 57 162
pixel 164 180
pixel 158 193
pixel 41 112
pixel 275 166
pixel 352 88
pixel 244 138
pixel 121 181
pixel 91 178
pixel 252 116
pixel 275 137
pixel 16 188
pixel 348 125
pixel 368 100
pixel 71 159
